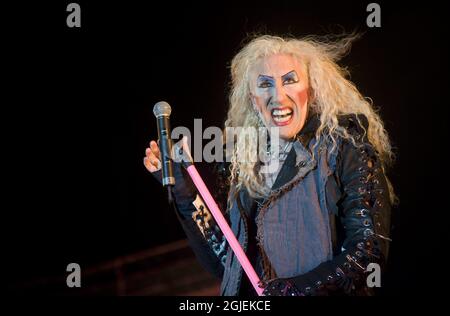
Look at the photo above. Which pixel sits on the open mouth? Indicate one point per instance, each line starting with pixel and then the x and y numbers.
pixel 282 115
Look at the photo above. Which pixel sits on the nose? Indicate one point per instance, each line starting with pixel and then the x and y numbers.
pixel 278 94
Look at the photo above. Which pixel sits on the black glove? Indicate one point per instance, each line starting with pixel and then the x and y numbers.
pixel 184 190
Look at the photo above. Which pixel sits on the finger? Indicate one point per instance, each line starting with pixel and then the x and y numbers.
pixel 150 155
pixel 150 167
pixel 153 160
pixel 155 149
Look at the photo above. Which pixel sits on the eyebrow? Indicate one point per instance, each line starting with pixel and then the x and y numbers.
pixel 261 77
pixel 292 72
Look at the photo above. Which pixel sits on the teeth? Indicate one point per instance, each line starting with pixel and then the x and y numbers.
pixel 280 119
pixel 282 112
pixel 281 116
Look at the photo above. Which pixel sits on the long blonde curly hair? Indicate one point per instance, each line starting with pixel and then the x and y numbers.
pixel 331 94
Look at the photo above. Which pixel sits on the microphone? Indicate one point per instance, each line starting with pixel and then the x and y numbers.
pixel 162 112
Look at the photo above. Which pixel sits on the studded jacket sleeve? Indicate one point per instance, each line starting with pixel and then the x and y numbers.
pixel 204 235
pixel 364 214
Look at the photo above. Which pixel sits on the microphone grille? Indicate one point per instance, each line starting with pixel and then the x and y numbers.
pixel 162 108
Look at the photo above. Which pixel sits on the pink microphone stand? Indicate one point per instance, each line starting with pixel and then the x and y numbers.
pixel 226 230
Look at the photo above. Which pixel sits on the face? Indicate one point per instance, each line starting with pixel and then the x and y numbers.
pixel 279 92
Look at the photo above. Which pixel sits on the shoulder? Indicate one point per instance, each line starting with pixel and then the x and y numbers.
pixel 356 125
pixel 356 147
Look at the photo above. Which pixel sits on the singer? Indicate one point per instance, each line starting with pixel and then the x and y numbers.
pixel 312 226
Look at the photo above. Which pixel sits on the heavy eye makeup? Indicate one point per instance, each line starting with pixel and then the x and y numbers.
pixel 265 81
pixel 289 78
pixel 268 81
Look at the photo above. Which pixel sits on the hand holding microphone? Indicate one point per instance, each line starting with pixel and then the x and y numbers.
pixel 152 159
pixel 162 112
pixel 164 161
pixel 156 158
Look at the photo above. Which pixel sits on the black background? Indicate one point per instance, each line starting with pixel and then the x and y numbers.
pixel 78 117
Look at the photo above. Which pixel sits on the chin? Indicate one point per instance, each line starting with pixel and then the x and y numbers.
pixel 289 132
pixel 287 136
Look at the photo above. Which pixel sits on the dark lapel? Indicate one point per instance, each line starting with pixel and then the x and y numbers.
pixel 288 170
